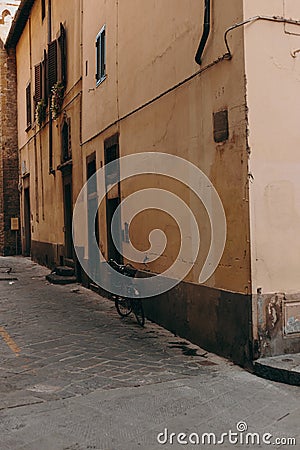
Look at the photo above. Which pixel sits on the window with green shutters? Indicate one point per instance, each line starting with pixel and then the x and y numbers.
pixel 101 56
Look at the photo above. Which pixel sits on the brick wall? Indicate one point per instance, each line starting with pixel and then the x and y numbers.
pixel 9 165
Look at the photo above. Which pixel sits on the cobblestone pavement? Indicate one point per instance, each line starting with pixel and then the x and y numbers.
pixel 74 376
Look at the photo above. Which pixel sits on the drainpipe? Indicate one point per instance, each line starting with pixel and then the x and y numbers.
pixel 49 21
pixel 51 171
pixel 206 31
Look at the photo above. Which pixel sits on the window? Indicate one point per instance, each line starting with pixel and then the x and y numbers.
pixel 62 61
pixel 41 81
pixel 45 76
pixel 5 17
pixel 28 107
pixel 43 9
pixel 38 86
pixel 52 64
pixel 57 60
pixel 101 56
pixel 66 140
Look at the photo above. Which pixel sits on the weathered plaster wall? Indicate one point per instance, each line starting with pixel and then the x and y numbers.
pixel 9 167
pixel 273 83
pixel 46 190
pixel 151 48
pixel 273 80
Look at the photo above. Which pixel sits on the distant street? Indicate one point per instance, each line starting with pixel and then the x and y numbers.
pixel 74 376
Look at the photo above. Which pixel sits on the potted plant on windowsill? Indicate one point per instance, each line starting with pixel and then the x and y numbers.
pixel 57 97
pixel 40 112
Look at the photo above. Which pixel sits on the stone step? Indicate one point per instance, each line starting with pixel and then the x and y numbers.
pixel 69 262
pixel 64 271
pixel 53 278
pixel 283 368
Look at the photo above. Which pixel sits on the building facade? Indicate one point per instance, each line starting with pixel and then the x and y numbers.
pixel 7 12
pixel 9 163
pixel 47 40
pixel 125 82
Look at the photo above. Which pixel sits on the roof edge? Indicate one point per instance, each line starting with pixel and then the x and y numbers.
pixel 18 23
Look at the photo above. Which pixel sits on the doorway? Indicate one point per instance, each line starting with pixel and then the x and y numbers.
pixel 27 223
pixel 68 213
pixel 113 198
pixel 93 223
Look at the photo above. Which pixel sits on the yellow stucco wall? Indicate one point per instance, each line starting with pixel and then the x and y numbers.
pixel 46 190
pixel 151 48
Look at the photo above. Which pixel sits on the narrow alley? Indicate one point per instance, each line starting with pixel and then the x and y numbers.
pixel 76 376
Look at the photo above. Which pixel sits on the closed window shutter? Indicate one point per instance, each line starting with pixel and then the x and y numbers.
pixel 38 83
pixel 52 64
pixel 98 76
pixel 63 54
pixel 70 139
pixel 45 76
pixel 28 105
pixel 102 62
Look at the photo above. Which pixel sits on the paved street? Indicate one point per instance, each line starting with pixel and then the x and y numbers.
pixel 75 376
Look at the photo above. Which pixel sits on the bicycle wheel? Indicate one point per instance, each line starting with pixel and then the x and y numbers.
pixel 138 311
pixel 123 306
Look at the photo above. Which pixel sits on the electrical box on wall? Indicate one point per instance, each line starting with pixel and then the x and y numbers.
pixel 221 127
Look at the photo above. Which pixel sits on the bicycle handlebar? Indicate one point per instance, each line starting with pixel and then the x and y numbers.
pixel 125 269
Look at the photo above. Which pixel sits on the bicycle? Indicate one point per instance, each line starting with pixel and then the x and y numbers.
pixel 126 305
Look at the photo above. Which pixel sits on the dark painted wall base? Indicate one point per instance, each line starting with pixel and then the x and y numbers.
pixel 53 255
pixel 11 249
pixel 216 320
pixel 46 254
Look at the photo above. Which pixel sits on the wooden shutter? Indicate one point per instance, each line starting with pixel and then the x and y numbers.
pixel 63 54
pixel 28 105
pixel 98 59
pixel 102 50
pixel 38 88
pixel 45 76
pixel 70 139
pixel 52 64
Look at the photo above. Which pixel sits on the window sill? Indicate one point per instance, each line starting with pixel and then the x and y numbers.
pixel 98 82
pixel 66 167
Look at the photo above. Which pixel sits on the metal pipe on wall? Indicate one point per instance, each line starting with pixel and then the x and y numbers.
pixel 206 31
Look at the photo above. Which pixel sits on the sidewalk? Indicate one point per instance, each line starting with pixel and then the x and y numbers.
pixel 283 368
pixel 74 376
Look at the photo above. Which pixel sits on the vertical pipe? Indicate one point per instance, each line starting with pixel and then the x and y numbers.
pixel 206 31
pixel 51 171
pixel 49 21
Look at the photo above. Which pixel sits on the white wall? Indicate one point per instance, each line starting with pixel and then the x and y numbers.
pixel 273 88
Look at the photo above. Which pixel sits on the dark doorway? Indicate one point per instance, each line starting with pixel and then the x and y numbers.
pixel 27 223
pixel 111 206
pixel 68 212
pixel 111 153
pixel 93 225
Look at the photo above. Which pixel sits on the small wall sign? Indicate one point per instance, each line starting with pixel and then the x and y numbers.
pixel 14 224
